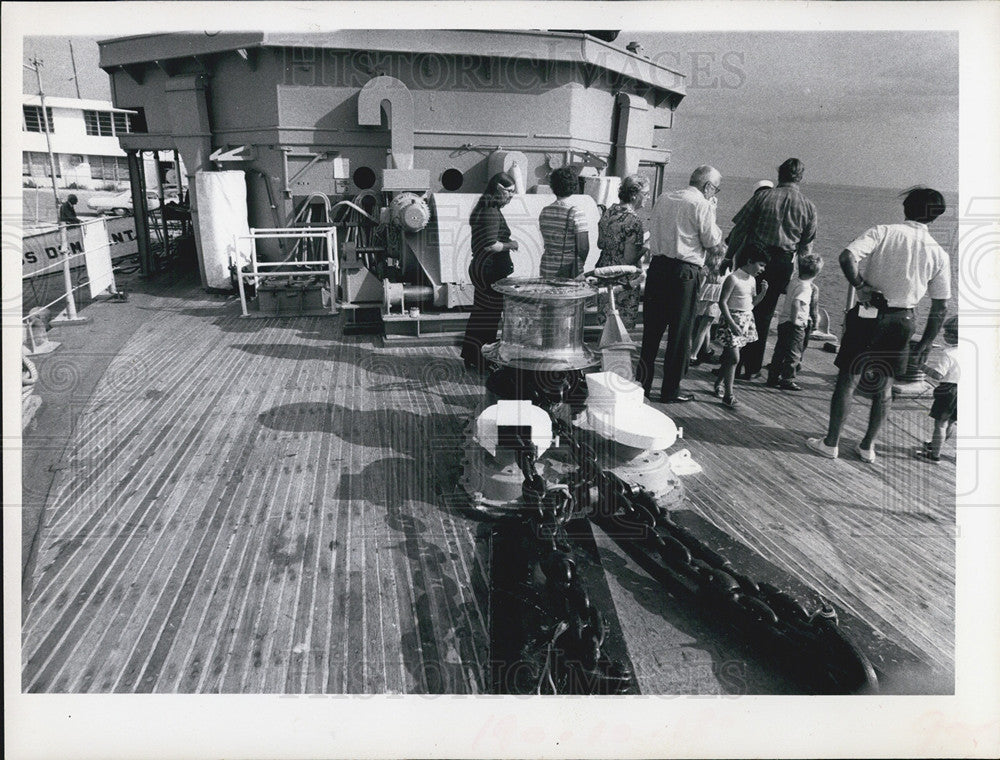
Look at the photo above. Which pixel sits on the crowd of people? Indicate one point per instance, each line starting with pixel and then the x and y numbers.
pixel 702 287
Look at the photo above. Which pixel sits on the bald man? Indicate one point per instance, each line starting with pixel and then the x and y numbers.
pixel 683 231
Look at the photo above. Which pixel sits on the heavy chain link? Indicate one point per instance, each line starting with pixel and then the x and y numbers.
pixel 631 515
pixel 573 660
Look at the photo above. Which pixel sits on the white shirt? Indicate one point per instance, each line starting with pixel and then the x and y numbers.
pixel 799 291
pixel 682 226
pixel 946 365
pixel 904 262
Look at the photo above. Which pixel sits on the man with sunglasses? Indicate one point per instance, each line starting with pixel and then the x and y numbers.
pixel 682 231
pixel 782 222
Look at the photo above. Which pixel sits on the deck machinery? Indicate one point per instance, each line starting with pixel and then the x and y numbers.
pixel 554 423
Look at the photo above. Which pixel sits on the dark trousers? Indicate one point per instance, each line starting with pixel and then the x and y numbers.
pixel 787 351
pixel 777 275
pixel 668 304
pixel 487 304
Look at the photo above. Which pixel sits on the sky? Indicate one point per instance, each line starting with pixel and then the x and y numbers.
pixel 57 68
pixel 876 109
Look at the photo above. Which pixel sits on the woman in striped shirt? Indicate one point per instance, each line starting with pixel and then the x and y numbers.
pixel 564 229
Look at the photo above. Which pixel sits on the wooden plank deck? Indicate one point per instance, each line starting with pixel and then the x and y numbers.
pixel 262 506
pixel 879 539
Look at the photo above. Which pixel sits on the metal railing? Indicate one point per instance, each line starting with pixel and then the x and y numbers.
pixel 64 263
pixel 258 269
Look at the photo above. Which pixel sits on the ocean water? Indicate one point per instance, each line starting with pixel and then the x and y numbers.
pixel 844 213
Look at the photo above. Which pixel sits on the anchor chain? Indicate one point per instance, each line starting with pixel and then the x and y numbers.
pixel 631 515
pixel 573 660
pixel 812 641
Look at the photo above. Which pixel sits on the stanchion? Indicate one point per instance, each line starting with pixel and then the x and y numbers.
pixel 68 317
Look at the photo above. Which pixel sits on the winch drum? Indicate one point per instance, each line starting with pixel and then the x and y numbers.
pixel 543 323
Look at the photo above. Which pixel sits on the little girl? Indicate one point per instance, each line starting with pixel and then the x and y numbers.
pixel 739 296
pixel 707 308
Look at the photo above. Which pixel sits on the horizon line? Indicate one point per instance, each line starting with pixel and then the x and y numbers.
pixel 826 184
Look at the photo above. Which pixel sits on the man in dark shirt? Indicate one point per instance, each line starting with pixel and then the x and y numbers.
pixel 67 212
pixel 782 222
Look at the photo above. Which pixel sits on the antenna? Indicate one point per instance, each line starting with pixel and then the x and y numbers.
pixel 76 79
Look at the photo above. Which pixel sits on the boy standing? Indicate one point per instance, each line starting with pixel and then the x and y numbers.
pixel 793 323
pixel 944 410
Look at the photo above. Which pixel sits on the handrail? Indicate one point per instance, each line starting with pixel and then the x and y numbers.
pixel 64 264
pixel 331 266
pixel 302 212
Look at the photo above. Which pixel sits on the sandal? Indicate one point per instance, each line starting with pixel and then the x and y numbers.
pixel 718 391
pixel 927 456
pixel 730 401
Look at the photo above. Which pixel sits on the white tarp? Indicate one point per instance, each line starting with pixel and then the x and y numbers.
pixel 97 254
pixel 223 225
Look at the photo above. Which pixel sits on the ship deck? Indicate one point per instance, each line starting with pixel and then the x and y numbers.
pixel 267 506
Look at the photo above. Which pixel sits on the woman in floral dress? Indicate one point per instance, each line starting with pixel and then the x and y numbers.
pixel 621 238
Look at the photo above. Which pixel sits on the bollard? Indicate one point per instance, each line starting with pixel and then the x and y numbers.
pixel 36 340
pixel 30 401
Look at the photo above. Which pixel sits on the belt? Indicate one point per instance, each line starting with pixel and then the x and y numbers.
pixel 895 309
pixel 779 254
pixel 673 260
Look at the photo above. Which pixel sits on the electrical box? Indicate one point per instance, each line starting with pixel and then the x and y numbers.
pixel 341 175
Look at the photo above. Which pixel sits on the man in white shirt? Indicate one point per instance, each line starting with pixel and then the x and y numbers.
pixel 682 231
pixel 901 263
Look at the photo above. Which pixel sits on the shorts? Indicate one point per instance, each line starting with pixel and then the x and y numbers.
pixel 945 406
pixel 744 319
pixel 708 309
pixel 876 348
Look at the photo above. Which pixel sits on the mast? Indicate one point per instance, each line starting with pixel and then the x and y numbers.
pixel 36 66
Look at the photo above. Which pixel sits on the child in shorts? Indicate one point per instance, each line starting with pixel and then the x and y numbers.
pixel 813 321
pixel 944 411
pixel 707 309
pixel 793 324
pixel 739 296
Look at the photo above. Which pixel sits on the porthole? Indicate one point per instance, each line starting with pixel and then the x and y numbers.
pixel 452 179
pixel 364 177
